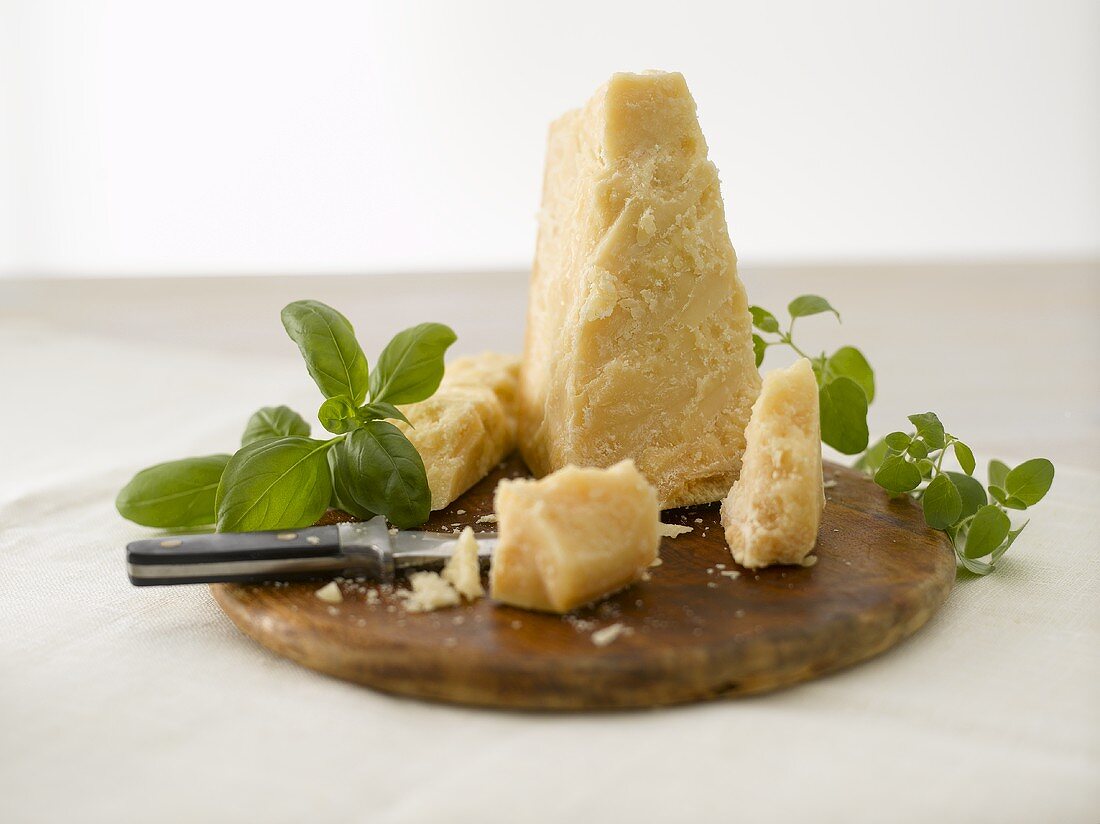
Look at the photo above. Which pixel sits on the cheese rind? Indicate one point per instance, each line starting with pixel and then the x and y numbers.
pixel 773 511
pixel 468 426
pixel 573 536
pixel 639 340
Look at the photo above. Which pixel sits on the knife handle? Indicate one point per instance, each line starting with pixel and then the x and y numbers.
pixel 244 557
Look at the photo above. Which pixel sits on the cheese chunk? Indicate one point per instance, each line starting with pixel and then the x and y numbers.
pixel 429 592
pixel 572 537
pixel 639 341
pixel 772 513
pixel 463 569
pixel 468 426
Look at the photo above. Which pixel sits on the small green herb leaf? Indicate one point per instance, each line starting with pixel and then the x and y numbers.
pixel 338 415
pixel 844 416
pixel 998 473
pixel 383 473
pixel 273 422
pixel 327 342
pixel 411 366
pixel 382 411
pixel 999 552
pixel 758 349
pixel 282 483
pixel 973 565
pixel 988 529
pixel 897 475
pixel 999 495
pixel 917 449
pixel 971 492
pixel 344 485
pixel 805 305
pixel 763 320
pixel 872 459
pixel 930 429
pixel 848 362
pixel 965 457
pixel 1030 481
pixel 898 441
pixel 175 494
pixel 942 503
pixel 925 467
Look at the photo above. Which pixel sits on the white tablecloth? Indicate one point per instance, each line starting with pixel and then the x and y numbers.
pixel 119 704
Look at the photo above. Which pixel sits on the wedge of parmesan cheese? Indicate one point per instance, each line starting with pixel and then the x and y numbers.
pixel 463 570
pixel 468 426
pixel 772 513
pixel 639 341
pixel 573 537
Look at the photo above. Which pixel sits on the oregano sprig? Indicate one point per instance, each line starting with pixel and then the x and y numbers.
pixel 281 478
pixel 846 382
pixel 978 524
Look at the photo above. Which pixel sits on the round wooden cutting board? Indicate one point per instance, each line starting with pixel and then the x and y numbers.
pixel 690 632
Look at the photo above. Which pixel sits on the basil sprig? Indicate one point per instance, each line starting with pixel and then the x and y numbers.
pixel 281 478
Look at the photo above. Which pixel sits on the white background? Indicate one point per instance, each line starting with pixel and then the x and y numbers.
pixel 256 137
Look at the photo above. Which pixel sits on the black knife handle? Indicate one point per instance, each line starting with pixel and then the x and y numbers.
pixel 286 554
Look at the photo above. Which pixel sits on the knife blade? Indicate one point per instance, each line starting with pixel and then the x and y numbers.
pixel 362 550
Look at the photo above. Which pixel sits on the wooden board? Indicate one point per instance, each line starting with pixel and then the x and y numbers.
pixel 692 633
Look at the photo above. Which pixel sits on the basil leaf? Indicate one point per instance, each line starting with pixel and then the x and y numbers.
pixel 338 415
pixel 848 362
pixel 975 566
pixel 381 411
pixel 872 459
pixel 1030 481
pixel 971 493
pixel 941 502
pixel 173 494
pixel 281 483
pixel 965 457
pixel 998 473
pixel 805 305
pixel 763 320
pixel 411 366
pixel 844 416
pixel 327 342
pixel 989 527
pixel 930 429
pixel 917 449
pixel 273 422
pixel 758 349
pixel 380 471
pixel 343 489
pixel 897 475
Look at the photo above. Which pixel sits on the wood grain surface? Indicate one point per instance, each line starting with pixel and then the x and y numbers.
pixel 691 633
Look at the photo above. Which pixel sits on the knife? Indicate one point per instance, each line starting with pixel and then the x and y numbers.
pixel 361 550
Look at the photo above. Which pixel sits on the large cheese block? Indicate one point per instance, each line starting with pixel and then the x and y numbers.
pixel 573 536
pixel 773 512
pixel 468 426
pixel 639 340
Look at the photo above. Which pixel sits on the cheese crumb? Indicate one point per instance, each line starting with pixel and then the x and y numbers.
pixel 330 592
pixel 463 571
pixel 603 637
pixel 732 574
pixel 487 519
pixel 809 560
pixel 429 592
pixel 672 530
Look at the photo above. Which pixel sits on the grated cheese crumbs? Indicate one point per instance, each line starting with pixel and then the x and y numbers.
pixel 429 592
pixel 656 563
pixel 603 637
pixel 463 571
pixel 809 560
pixel 731 574
pixel 487 519
pixel 330 593
pixel 671 530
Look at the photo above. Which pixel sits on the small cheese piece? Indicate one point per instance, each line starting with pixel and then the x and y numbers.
pixel 463 569
pixel 672 530
pixel 603 637
pixel 772 513
pixel 639 340
pixel 468 426
pixel 429 592
pixel 573 537
pixel 330 592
